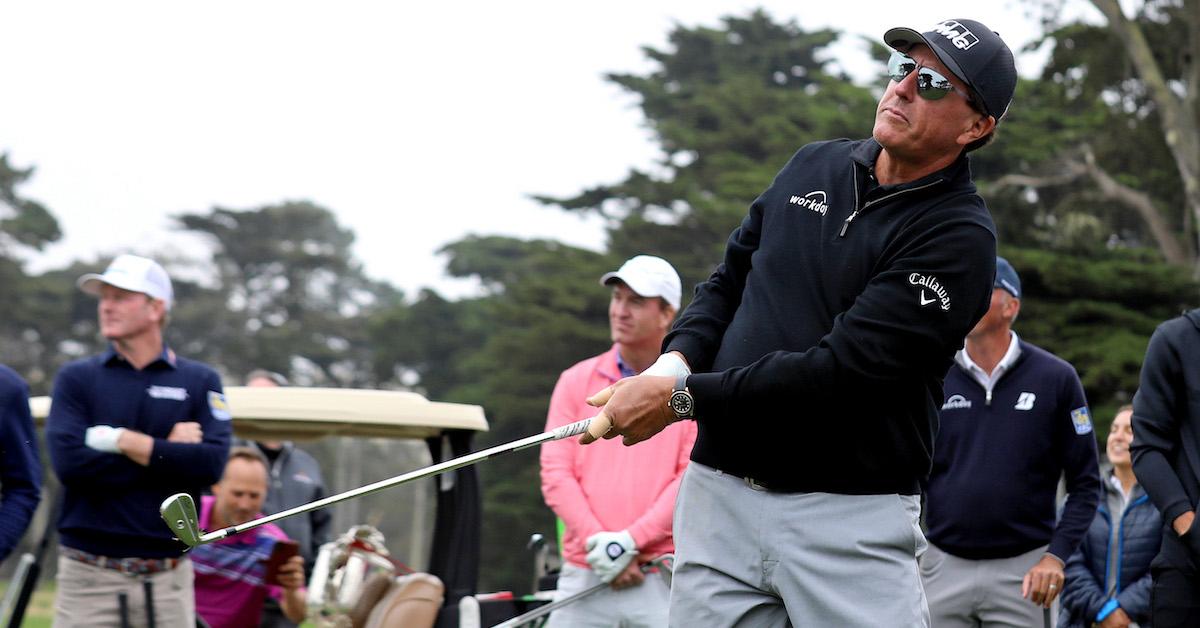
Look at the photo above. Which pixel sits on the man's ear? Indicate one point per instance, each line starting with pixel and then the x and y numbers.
pixel 982 125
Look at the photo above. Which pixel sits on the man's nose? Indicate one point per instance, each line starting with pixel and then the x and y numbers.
pixel 907 86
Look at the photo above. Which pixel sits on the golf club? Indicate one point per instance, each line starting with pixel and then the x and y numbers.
pixel 665 564
pixel 179 510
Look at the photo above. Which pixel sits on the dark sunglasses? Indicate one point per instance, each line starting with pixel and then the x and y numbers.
pixel 931 85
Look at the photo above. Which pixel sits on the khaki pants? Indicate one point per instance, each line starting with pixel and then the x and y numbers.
pixel 87 596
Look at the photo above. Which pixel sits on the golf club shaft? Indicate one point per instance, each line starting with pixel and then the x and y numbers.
pixel 566 431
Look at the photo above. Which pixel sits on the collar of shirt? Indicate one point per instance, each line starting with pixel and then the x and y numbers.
pixel 984 379
pixel 624 368
pixel 166 358
pixel 1116 483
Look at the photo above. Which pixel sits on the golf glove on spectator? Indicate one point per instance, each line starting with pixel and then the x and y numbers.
pixel 609 553
pixel 103 438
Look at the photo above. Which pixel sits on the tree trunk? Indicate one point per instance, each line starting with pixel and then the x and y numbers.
pixel 1180 117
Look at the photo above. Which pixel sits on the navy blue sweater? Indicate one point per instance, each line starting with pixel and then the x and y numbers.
pixel 1086 589
pixel 996 465
pixel 20 466
pixel 110 503
pixel 819 345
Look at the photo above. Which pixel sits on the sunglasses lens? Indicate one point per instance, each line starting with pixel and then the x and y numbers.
pixel 931 85
pixel 900 66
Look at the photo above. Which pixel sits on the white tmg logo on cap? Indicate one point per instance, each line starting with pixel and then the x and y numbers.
pixel 959 35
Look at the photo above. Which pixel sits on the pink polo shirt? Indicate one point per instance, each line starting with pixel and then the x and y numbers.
pixel 606 486
pixel 229 573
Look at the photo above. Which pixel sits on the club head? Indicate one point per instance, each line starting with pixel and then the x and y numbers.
pixel 179 512
pixel 536 542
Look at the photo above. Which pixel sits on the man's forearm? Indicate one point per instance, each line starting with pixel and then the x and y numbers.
pixel 136 446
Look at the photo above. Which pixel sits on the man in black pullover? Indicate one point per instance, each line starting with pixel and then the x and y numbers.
pixel 812 359
pixel 1014 421
pixel 1166 459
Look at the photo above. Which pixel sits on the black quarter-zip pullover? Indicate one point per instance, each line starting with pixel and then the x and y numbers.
pixel 819 345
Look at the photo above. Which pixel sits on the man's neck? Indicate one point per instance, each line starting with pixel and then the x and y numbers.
pixel 986 350
pixel 893 170
pixel 140 350
pixel 641 357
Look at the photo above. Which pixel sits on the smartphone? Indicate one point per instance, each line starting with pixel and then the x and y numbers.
pixel 283 550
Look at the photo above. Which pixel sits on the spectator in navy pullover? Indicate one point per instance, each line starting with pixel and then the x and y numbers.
pixel 1108 577
pixel 127 429
pixel 1014 421
pixel 20 467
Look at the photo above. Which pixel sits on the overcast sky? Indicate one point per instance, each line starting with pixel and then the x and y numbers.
pixel 415 122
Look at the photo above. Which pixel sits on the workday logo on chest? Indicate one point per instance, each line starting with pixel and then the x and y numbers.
pixel 815 201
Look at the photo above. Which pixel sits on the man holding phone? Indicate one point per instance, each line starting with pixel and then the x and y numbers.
pixel 234 576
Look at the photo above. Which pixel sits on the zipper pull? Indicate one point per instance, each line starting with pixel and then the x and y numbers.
pixel 988 400
pixel 846 225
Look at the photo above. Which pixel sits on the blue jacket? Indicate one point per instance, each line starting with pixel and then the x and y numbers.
pixel 1084 592
pixel 20 467
pixel 110 503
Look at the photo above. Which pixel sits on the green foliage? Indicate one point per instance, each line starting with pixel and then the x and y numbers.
pixel 289 296
pixel 1098 313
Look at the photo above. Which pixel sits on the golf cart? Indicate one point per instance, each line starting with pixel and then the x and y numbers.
pixel 440 432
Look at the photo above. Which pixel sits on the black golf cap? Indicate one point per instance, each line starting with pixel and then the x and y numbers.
pixel 974 53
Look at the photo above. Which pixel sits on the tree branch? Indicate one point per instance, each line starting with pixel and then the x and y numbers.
pixel 1072 169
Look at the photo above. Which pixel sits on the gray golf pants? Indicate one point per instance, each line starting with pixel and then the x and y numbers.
pixel 969 593
pixel 749 557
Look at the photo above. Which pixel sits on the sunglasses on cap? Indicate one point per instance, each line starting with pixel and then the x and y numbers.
pixel 931 85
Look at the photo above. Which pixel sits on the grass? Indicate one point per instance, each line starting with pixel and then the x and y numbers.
pixel 40 612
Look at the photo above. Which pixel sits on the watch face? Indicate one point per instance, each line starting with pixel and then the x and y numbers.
pixel 681 403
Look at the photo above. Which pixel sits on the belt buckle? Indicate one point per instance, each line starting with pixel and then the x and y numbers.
pixel 755 485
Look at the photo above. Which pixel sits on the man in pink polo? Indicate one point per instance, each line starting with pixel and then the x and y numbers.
pixel 230 573
pixel 616 501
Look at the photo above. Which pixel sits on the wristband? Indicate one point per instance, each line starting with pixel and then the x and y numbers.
pixel 668 365
pixel 1107 609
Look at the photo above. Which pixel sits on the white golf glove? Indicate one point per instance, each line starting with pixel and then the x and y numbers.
pixel 669 365
pixel 609 553
pixel 103 438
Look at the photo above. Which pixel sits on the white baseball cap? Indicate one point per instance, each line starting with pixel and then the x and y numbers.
pixel 133 273
pixel 648 276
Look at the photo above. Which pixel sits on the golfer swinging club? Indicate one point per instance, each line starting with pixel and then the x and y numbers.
pixel 812 359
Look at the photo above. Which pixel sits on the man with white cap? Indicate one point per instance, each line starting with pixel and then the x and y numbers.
pixel 617 502
pixel 813 357
pixel 128 428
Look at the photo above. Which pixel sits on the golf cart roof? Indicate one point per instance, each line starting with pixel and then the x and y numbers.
pixel 295 413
